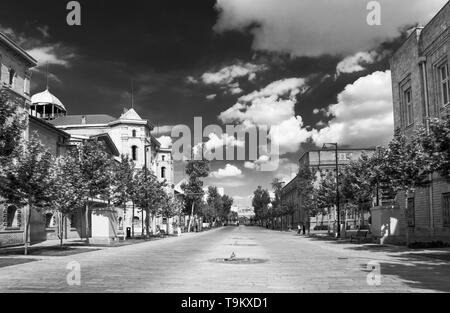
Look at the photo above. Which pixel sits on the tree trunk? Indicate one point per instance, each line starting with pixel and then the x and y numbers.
pixel 27 228
pixel 143 222
pixel 406 217
pixel 147 224
pixel 87 222
pixel 361 212
pixel 132 222
pixel 191 217
pixel 61 228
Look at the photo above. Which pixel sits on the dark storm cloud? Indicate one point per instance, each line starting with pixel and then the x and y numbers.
pixel 160 44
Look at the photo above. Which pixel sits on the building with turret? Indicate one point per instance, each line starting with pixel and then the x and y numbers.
pixel 132 136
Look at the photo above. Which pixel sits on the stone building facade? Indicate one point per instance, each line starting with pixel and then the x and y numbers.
pixel 15 65
pixel 132 136
pixel 320 162
pixel 421 89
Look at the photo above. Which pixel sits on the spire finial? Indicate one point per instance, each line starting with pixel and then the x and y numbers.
pixel 47 74
pixel 132 94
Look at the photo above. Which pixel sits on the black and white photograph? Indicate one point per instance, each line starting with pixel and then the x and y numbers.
pixel 241 148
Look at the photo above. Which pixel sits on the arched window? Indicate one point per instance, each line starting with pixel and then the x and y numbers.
pixel 134 150
pixel 11 219
pixel 163 158
pixel 120 223
pixel 134 133
pixel 163 172
pixel 136 222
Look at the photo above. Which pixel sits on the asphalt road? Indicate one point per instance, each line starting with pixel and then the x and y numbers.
pixel 264 261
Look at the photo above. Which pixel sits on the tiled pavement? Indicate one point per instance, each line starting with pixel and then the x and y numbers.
pixel 186 264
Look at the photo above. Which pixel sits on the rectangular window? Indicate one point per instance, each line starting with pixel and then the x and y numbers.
pixel 12 77
pixel 411 213
pixel 446 209
pixel 444 84
pixel 408 107
pixel 26 86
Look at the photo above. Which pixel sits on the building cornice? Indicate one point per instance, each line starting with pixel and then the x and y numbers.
pixel 17 49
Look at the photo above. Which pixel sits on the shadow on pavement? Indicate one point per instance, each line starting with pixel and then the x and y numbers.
pixel 420 272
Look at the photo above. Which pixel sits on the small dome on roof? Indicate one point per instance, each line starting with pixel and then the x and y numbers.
pixel 46 97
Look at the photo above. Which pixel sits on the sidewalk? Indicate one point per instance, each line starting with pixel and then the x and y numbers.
pixel 81 245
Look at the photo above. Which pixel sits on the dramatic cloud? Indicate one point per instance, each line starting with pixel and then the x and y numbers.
pixel 355 63
pixel 266 106
pixel 48 55
pixel 44 51
pixel 228 74
pixel 289 134
pixel 363 116
pixel 225 140
pixel 228 171
pixel 316 27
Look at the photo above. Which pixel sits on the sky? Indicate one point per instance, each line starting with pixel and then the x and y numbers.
pixel 313 71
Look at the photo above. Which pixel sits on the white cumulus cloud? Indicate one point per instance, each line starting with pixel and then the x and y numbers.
pixel 316 27
pixel 363 115
pixel 228 171
pixel 355 63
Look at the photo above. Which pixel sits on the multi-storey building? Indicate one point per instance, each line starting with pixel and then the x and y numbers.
pixel 421 90
pixel 15 65
pixel 320 162
pixel 132 136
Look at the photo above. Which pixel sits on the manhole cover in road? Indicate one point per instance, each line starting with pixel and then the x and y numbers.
pixel 238 261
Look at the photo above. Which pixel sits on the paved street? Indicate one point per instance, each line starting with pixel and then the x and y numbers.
pixel 188 264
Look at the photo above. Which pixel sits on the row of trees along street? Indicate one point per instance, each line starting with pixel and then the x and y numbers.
pixel 395 171
pixel 32 179
pixel 216 210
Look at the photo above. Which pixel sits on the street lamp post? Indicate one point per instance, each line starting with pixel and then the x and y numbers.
pixel 338 200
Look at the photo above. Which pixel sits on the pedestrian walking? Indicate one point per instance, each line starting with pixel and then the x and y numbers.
pixel 299 229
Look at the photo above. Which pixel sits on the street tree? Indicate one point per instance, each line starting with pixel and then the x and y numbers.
pixel 123 182
pixel 277 205
pixel 436 145
pixel 193 189
pixel 68 189
pixel 149 195
pixel 407 166
pixel 308 193
pixel 214 205
pixel 227 202
pixel 29 180
pixel 358 185
pixel 260 203
pixel 170 207
pixel 13 121
pixel 96 167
